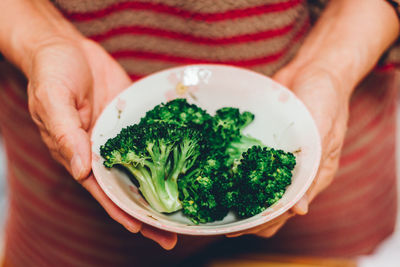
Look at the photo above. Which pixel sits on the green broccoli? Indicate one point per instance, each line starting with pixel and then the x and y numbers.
pixel 179 112
pixel 229 124
pixel 201 190
pixel 184 158
pixel 260 179
pixel 156 155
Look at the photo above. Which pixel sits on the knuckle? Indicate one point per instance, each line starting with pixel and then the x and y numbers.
pixel 60 140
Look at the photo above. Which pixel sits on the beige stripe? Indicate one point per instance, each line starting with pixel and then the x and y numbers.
pixel 61 182
pixel 55 173
pixel 357 235
pixel 15 80
pixel 373 189
pixel 63 186
pixel 39 193
pixel 191 50
pixel 375 174
pixel 167 22
pixel 8 108
pixel 20 252
pixel 345 177
pixel 144 67
pixel 360 164
pixel 39 231
pixel 365 138
pixel 209 6
pixel 270 68
pixel 365 98
pixel 394 54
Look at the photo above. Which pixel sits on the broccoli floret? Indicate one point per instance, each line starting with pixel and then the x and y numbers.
pixel 239 145
pixel 179 112
pixel 260 179
pixel 183 158
pixel 201 191
pixel 156 155
pixel 229 124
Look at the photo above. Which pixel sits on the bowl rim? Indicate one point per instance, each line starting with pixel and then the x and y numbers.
pixel 202 229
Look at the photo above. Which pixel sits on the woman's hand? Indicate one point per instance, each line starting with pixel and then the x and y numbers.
pixel 71 79
pixel 328 102
pixel 341 49
pixel 70 82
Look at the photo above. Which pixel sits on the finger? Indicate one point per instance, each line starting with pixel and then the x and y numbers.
pixel 256 230
pixel 270 231
pixel 130 223
pixel 284 76
pixel 166 240
pixel 59 120
pixel 281 219
pixel 301 207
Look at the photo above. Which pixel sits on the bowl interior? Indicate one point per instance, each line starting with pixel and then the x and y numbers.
pixel 281 121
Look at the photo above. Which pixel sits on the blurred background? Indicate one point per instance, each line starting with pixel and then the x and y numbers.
pixel 387 255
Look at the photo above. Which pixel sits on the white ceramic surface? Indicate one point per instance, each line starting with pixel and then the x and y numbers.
pixel 281 121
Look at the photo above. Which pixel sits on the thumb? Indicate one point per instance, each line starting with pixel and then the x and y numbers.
pixel 55 111
pixel 284 76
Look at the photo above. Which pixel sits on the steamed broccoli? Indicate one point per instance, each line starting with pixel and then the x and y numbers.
pixel 179 112
pixel 260 179
pixel 229 124
pixel 156 155
pixel 184 158
pixel 202 189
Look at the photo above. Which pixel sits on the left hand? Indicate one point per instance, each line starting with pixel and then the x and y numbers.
pixel 333 59
pixel 328 102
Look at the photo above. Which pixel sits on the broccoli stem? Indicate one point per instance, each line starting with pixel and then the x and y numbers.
pixel 238 146
pixel 145 186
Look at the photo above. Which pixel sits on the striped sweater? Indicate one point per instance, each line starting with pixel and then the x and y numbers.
pixel 52 221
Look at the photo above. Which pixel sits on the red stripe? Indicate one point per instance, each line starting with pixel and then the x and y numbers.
pixel 18 145
pixel 17 100
pixel 16 243
pixel 387 67
pixel 45 236
pixel 188 60
pixel 32 239
pixel 19 253
pixel 361 189
pixel 365 230
pixel 140 30
pixel 36 175
pixel 362 101
pixel 171 10
pixel 357 175
pixel 359 153
pixel 64 213
pixel 135 77
pixel 379 157
pixel 55 185
pixel 324 239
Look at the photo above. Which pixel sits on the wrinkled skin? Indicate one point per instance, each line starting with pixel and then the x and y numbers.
pixel 332 60
pixel 70 83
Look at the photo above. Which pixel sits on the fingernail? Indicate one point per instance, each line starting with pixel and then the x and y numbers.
pixel 302 206
pixel 76 166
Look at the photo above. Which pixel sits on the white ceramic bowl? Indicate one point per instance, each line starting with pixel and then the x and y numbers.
pixel 281 121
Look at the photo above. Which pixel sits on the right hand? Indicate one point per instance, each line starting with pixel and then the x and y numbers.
pixel 70 82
